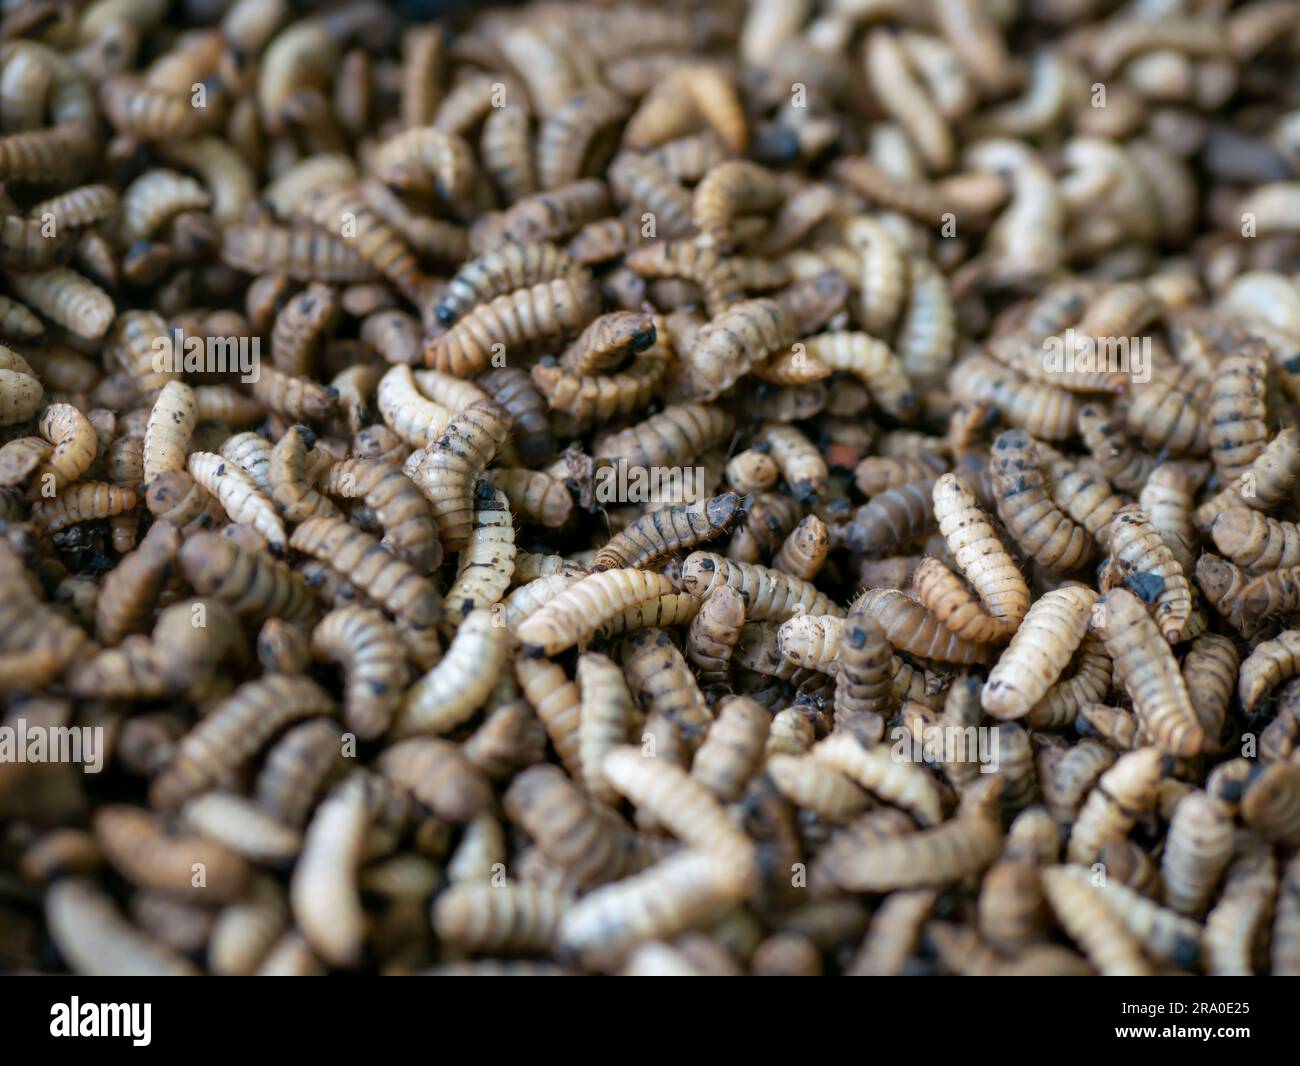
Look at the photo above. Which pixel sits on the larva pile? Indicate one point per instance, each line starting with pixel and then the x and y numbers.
pixel 689 488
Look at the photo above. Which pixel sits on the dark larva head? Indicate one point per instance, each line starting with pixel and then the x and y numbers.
pixel 722 509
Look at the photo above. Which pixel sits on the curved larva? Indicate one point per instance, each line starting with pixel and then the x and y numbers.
pixel 873 363
pixel 239 496
pixel 771 595
pixel 911 628
pixel 1150 674
pixel 167 437
pixel 821 790
pixel 407 411
pixel 487 562
pixel 978 552
pixel 96 940
pixel 904 785
pixel 1146 561
pixel 1121 796
pixel 449 693
pixel 812 641
pixel 1268 665
pixel 1090 920
pixel 1029 514
pixel 67 298
pixel 409 529
pixel 292 491
pixel 75 445
pixel 607 712
pixel 323 892
pixel 369 648
pixel 927 332
pixel 733 748
pixel 1256 542
pixel 575 615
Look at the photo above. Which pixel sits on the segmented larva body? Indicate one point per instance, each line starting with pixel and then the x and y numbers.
pixel 1125 466
pixel 731 344
pixel 298 399
pixel 1039 651
pixel 427 159
pixel 1238 432
pixel 238 495
pixel 75 446
pixel 301 325
pixel 933 856
pixel 811 641
pixel 1262 485
pixel 457 686
pixel 1166 499
pixel 799 461
pixel 557 213
pixel 685 890
pixel 873 363
pixel 1165 413
pixel 514 918
pixel 1121 795
pixel 369 649
pixel 171 424
pixel 1094 924
pixel 342 210
pixel 593 400
pixel 253 584
pixel 733 748
pixel 658 676
pixel 487 562
pixel 820 789
pixel 137 844
pixel 393 584
pixel 1233 926
pixel 1150 568
pixel 323 892
pixel 303 253
pixel 689 261
pixel 901 784
pixel 179 500
pixel 863 661
pixel 1256 542
pixel 804 551
pixel 447 471
pixel 1042 410
pixel 1150 675
pixel 713 634
pixel 409 529
pixel 607 712
pixel 770 595
pixel 512 325
pixel 1210 674
pixel 232 732
pixel 588 842
pixel 979 554
pixel 576 614
pixel 913 629
pixel 1029 514
pixel 97 941
pixel 405 409
pixel 893 518
pixel 736 187
pixel 1268 665
pixel 291 487
pixel 82 502
pixel 661 533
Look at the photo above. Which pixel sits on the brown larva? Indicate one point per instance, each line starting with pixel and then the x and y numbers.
pixel 1148 567
pixel 893 518
pixel 1268 665
pixel 1039 527
pixel 1256 542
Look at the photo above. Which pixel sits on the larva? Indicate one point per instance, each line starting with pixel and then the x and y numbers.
pixel 82 502
pixel 1165 414
pixel 1039 527
pixel 893 518
pixel 595 400
pixel 977 551
pixel 291 488
pixel 136 842
pixel 1090 921
pixel 606 713
pixel 303 253
pixel 934 856
pixel 233 732
pixel 369 649
pixel 660 533
pixel 297 399
pixel 514 919
pixel 446 472
pixel 556 214
pixel 804 551
pixel 129 592
pixel 902 784
pixel 75 446
pixel 1166 499
pixel 382 245
pixel 821 790
pixel 731 344
pixel 712 635
pixel 1150 675
pixel 179 500
pixel 663 684
pixel 1257 543
pixel 393 584
pixel 1149 568
pixel 688 261
pixel 589 846
pixel 1040 649
pixel 323 892
pixel 409 529
pixel 770 594
pixel 437 773
pixel 171 423
pixel 1122 794
pixel 92 934
pixel 1041 410
pixel 1268 665
pixel 1238 433
pixel 911 628
pixel 500 271
pixel 238 495
pixel 487 561
pixel 1262 485
pixel 733 188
